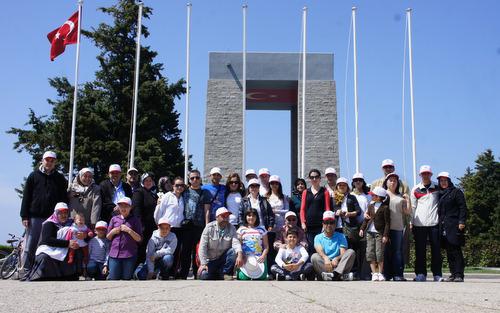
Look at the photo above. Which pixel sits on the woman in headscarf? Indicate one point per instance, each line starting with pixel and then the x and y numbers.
pixel 143 206
pixel 51 261
pixel 85 197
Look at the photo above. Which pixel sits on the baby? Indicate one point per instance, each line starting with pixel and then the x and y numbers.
pixel 79 226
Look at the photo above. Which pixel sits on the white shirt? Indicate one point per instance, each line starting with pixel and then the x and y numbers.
pixel 363 201
pixel 280 207
pixel 263 190
pixel 343 208
pixel 291 256
pixel 172 208
pixel 371 228
pixel 233 202
pixel 256 205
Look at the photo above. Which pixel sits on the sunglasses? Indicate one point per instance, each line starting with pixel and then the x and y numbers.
pixel 357 180
pixel 292 219
pixel 234 182
pixel 194 178
pixel 179 185
pixel 314 177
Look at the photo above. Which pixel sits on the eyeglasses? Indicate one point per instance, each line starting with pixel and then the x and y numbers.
pixel 234 182
pixel 194 177
pixel 314 177
pixel 179 185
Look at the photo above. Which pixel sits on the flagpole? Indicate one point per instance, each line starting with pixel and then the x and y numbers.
pixel 302 157
pixel 414 146
pixel 244 92
pixel 355 85
pixel 136 84
pixel 188 88
pixel 75 97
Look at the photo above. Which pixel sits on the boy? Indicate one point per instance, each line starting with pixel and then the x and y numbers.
pixel 291 259
pixel 97 267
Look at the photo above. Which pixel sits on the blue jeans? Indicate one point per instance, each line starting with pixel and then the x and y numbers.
pixel 121 268
pixel 393 255
pixel 32 238
pixel 162 265
pixel 217 268
pixel 94 270
pixel 421 235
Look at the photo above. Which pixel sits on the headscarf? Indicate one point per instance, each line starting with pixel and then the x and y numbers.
pixel 55 219
pixel 77 185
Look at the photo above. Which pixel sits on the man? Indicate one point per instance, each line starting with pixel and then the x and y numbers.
pixel 133 178
pixel 219 246
pixel 44 188
pixel 331 180
pixel 264 175
pixel 217 190
pixel 249 174
pixel 112 190
pixel 425 223
pixel 389 167
pixel 332 258
pixel 290 223
pixel 197 206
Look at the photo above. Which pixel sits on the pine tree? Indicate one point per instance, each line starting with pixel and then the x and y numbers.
pixel 105 105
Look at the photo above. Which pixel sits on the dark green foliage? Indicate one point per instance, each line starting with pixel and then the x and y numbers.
pixel 105 107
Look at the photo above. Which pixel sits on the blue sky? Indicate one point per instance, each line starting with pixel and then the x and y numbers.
pixel 456 50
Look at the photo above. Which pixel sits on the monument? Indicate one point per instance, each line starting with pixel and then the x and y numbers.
pixel 273 83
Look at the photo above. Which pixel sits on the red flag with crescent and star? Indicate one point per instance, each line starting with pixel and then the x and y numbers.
pixel 67 34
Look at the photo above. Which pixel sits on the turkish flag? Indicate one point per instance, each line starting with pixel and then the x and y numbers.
pixel 65 35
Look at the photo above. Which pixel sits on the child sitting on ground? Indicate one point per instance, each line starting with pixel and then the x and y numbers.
pixel 291 259
pixel 97 267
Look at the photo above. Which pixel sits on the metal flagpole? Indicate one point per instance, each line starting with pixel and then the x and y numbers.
pixel 188 88
pixel 355 85
pixel 136 84
pixel 302 157
pixel 244 91
pixel 410 60
pixel 75 97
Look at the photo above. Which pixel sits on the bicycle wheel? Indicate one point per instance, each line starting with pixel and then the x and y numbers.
pixel 9 266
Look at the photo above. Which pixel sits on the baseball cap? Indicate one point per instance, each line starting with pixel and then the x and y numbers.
pixel 253 181
pixel 250 171
pixel 215 170
pixel 444 174
pixel 290 213
pixel 264 171
pixel 358 176
pixel 392 174
pixel 330 170
pixel 132 169
pixel 379 191
pixel 328 216
pixel 49 154
pixel 115 168
pixel 125 200
pixel 101 225
pixel 425 169
pixel 222 210
pixel 163 220
pixel 387 162
pixel 342 180
pixel 274 178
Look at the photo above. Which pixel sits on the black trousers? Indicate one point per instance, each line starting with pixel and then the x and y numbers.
pixel 190 237
pixel 422 234
pixel 455 260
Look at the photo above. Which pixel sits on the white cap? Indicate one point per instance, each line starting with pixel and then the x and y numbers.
pixel 330 170
pixel 222 210
pixel 290 213
pixel 264 171
pixel 444 174
pixel 274 178
pixel 132 169
pixel 328 216
pixel 49 154
pixel 358 176
pixel 61 206
pixel 253 181
pixel 101 224
pixel 250 171
pixel 215 170
pixel 387 162
pixel 379 191
pixel 85 170
pixel 163 220
pixel 115 168
pixel 425 169
pixel 125 200
pixel 391 174
pixel 342 180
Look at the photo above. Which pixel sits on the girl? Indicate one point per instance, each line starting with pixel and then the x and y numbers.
pixel 378 221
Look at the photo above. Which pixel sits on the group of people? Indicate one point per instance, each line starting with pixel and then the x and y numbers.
pixel 243 229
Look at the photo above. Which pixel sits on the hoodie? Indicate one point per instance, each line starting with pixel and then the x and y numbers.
pixel 159 246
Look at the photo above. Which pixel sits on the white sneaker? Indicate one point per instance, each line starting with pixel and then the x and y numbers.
pixel 381 277
pixel 374 276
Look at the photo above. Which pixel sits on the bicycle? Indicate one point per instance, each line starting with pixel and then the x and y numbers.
pixel 12 262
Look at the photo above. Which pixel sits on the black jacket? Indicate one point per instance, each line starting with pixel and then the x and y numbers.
pixel 107 193
pixel 452 210
pixel 352 206
pixel 265 208
pixel 143 206
pixel 41 194
pixel 49 236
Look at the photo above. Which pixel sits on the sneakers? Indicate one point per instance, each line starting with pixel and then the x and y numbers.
pixel 228 277
pixel 450 279
pixel 327 276
pixel 374 276
pixel 288 277
pixel 348 277
pixel 438 278
pixel 381 277
pixel 280 277
pixel 458 280
pixel 420 277
pixel 302 277
pixel 399 278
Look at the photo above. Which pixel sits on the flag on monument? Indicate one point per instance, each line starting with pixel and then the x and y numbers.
pixel 65 35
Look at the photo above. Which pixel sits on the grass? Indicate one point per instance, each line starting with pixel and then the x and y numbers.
pixel 468 270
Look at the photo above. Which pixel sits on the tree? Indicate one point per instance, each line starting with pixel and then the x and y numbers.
pixel 105 105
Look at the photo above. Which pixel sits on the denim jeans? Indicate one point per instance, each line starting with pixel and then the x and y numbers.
pixel 422 234
pixel 94 270
pixel 217 268
pixel 393 255
pixel 162 265
pixel 32 238
pixel 121 268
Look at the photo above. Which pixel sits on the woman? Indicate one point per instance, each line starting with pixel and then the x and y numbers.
pixel 452 216
pixel 279 202
pixel 51 261
pixel 254 243
pixel 259 203
pixel 315 200
pixel 164 186
pixel 296 198
pixel 124 232
pixel 347 210
pixel 361 191
pixel 85 197
pixel 144 202
pixel 399 207
pixel 171 207
pixel 235 191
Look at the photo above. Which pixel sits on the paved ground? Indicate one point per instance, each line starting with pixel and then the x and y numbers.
pixel 477 294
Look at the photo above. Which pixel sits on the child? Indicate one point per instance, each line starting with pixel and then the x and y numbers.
pixel 79 226
pixel 291 259
pixel 159 253
pixel 97 267
pixel 378 221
